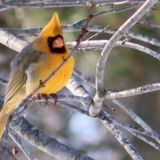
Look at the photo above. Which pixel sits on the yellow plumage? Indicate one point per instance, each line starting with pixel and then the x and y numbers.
pixel 34 64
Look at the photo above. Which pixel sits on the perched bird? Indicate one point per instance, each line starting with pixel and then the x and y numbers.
pixel 34 64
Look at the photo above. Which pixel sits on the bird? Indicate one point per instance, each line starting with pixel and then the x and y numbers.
pixel 33 64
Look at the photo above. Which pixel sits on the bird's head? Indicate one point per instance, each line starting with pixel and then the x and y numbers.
pixel 51 37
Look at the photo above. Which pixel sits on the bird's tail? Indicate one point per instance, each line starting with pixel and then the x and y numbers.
pixel 3 122
pixel 6 111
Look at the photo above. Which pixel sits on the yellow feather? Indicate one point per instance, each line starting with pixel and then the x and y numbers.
pixel 3 120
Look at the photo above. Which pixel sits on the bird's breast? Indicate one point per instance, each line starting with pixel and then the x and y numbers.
pixel 39 71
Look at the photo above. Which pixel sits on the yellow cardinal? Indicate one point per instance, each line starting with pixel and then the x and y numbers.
pixel 34 64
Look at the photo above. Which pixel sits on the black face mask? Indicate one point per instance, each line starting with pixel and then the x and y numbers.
pixel 55 50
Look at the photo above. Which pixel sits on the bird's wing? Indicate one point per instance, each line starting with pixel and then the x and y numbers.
pixel 18 77
pixel 16 82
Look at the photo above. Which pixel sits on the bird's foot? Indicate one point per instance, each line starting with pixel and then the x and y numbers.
pixel 52 95
pixel 41 97
pixel 46 97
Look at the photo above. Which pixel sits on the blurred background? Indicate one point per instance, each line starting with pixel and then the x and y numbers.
pixel 126 68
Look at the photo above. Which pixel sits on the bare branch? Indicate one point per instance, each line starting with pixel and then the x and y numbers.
pixel 63 98
pixel 46 144
pixel 11 41
pixel 95 109
pixel 63 3
pixel 106 12
pixel 99 44
pixel 20 143
pixel 121 138
pixel 133 92
pixel 137 119
pixel 77 88
pixel 139 134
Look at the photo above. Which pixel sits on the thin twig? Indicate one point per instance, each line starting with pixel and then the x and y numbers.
pixel 97 33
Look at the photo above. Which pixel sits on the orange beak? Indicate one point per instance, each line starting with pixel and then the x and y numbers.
pixel 58 43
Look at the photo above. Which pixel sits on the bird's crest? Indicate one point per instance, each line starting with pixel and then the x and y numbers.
pixel 53 27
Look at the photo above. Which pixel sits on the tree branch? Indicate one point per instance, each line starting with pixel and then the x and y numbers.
pixel 63 3
pixel 134 92
pixel 148 130
pixel 109 124
pixel 11 41
pixel 46 144
pixel 20 143
pixel 99 44
pixel 95 109
pixel 138 120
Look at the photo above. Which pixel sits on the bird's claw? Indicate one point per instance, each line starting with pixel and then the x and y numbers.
pixel 52 95
pixel 42 96
pixel 46 97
